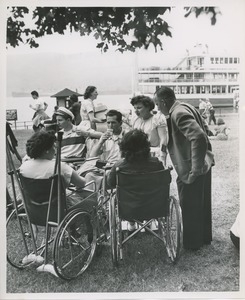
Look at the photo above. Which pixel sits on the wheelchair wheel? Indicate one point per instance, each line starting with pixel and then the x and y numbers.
pixel 18 245
pixel 74 245
pixel 113 224
pixel 174 230
pixel 103 210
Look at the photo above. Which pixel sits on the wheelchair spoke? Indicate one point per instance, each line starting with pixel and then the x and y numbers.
pixel 74 246
pixel 174 230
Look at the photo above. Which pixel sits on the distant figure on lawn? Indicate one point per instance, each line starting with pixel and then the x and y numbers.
pixel 54 114
pixel 190 152
pixel 221 130
pixel 210 110
pixel 39 115
pixel 202 107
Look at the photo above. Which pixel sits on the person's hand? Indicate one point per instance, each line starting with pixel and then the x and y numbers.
pixel 105 136
pixel 193 174
pixel 163 158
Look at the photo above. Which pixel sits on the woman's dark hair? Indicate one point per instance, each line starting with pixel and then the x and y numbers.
pixel 89 90
pixel 40 142
pixel 145 100
pixel 135 146
pixel 34 93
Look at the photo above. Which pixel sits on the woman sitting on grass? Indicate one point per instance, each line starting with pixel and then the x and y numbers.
pixel 221 130
pixel 135 152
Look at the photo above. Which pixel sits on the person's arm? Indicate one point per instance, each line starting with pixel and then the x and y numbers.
pixel 37 105
pixel 81 130
pixel 197 137
pixel 34 107
pixel 77 180
pixel 94 134
pixel 162 131
pixel 97 149
pixel 163 136
pixel 45 105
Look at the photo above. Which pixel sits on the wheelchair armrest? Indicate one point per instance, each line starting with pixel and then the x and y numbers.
pixel 91 183
pixel 170 168
pixel 100 164
pixel 92 158
pixel 73 159
pixel 107 167
pixel 74 189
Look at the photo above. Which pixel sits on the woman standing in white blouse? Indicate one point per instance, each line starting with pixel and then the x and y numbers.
pixel 154 125
pixel 88 110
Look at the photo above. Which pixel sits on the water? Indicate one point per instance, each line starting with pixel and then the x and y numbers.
pixel 25 113
pixel 119 102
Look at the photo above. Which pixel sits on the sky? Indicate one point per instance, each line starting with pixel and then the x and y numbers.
pixel 224 36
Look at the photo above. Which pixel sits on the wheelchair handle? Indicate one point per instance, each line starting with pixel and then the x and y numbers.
pixel 59 136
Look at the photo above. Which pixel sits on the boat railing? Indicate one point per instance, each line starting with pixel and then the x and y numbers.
pixel 216 80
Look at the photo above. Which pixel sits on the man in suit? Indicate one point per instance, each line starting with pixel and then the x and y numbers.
pixel 190 152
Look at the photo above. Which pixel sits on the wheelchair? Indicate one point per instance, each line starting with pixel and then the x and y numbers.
pixel 144 198
pixel 42 220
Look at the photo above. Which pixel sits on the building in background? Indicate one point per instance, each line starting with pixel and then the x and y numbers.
pixel 62 97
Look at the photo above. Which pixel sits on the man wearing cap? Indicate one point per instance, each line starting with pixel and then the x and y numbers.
pixel 74 138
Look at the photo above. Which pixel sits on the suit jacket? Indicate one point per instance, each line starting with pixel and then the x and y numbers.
pixel 189 147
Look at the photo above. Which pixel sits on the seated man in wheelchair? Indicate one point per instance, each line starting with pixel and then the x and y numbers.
pixel 107 149
pixel 74 141
pixel 41 149
pixel 74 137
pixel 136 157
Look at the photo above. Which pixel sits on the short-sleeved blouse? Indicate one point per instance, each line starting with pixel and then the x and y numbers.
pixel 87 106
pixel 39 105
pixel 43 169
pixel 150 126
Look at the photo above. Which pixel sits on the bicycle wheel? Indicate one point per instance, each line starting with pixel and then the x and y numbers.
pixel 74 245
pixel 174 230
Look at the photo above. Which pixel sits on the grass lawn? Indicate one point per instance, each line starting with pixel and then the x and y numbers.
pixel 145 267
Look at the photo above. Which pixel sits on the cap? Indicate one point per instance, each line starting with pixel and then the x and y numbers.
pixel 64 112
